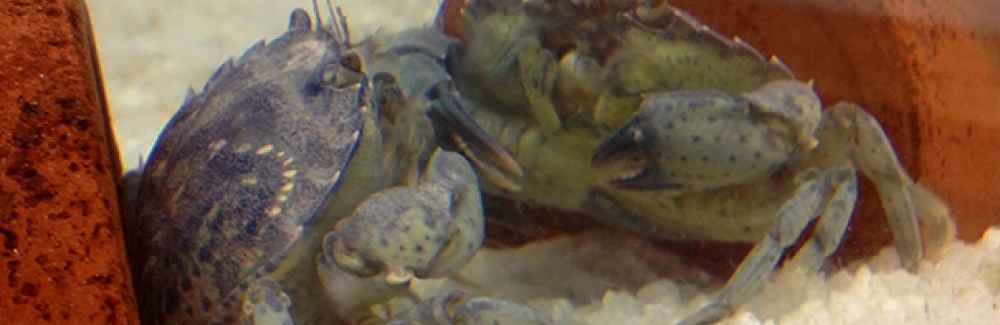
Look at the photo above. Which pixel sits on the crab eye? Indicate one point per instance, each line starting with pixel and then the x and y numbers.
pixel 343 73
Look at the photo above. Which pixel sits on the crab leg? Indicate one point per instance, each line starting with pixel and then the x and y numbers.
pixel 267 304
pixel 792 218
pixel 877 160
pixel 831 224
pixel 831 194
pixel 848 132
pixel 538 75
pixel 936 216
pixel 901 197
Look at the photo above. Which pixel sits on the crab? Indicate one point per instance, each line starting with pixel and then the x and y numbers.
pixel 629 111
pixel 264 200
pixel 634 113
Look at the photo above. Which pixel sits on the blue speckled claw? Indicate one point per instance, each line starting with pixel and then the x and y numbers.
pixel 428 230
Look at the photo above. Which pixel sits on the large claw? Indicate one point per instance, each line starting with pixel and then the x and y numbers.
pixel 704 140
pixel 414 92
pixel 458 308
pixel 424 231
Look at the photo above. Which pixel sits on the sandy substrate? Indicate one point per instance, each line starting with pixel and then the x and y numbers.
pixel 606 284
pixel 152 51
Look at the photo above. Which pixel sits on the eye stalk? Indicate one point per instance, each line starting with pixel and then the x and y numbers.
pixel 343 73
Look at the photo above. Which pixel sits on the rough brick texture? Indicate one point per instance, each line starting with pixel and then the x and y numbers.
pixel 62 259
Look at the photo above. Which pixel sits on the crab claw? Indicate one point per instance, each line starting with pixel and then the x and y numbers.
pixel 457 128
pixel 427 230
pixel 628 152
pixel 424 231
pixel 458 308
pixel 412 87
pixel 703 140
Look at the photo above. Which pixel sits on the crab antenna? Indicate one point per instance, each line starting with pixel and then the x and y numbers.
pixel 344 31
pixel 319 18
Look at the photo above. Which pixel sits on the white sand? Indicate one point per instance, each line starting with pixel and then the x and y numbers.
pixel 962 288
pixel 152 51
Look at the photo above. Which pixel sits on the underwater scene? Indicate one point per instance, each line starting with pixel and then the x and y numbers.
pixel 556 161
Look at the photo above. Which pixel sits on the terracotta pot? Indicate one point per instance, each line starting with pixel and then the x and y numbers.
pixel 62 258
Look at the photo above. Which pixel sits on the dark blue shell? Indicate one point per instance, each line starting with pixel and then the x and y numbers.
pixel 238 173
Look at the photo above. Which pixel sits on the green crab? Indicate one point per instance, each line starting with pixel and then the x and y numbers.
pixel 264 202
pixel 636 114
